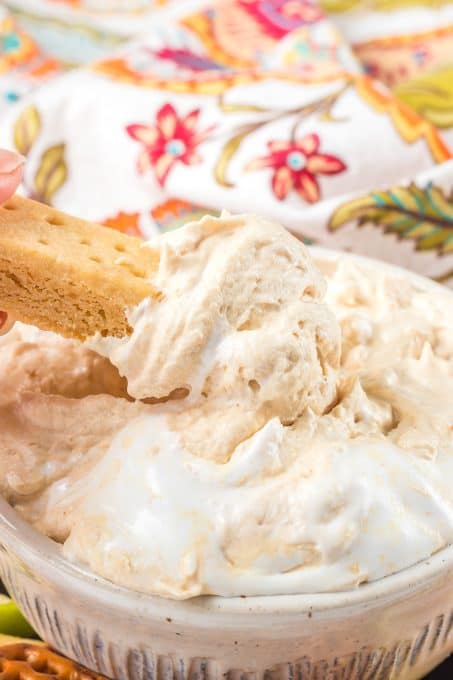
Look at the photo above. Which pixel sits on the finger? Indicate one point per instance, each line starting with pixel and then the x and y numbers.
pixel 6 323
pixel 11 167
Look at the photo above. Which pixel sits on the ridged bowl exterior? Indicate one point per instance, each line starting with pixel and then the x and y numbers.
pixel 399 627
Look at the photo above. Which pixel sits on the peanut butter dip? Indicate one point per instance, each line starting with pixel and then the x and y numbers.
pixel 266 429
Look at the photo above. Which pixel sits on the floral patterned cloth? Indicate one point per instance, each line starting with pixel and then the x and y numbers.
pixel 408 44
pixel 143 115
pixel 23 64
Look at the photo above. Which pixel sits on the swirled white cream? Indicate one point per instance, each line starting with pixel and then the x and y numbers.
pixel 263 460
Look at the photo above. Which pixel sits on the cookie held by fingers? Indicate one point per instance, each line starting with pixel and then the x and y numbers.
pixel 67 275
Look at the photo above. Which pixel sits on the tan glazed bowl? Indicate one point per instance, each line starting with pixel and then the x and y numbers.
pixel 398 627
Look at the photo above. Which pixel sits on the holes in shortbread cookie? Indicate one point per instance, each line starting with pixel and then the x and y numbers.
pixel 95 258
pixel 254 385
pixel 43 242
pixel 85 242
pixel 138 273
pixel 9 206
pixel 119 248
pixel 55 221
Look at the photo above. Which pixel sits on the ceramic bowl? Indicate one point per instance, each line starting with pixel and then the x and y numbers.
pixel 398 627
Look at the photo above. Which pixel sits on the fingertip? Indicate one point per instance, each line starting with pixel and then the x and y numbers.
pixel 9 183
pixel 6 323
pixel 10 161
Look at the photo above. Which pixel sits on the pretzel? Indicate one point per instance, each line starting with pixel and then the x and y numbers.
pixel 70 276
pixel 30 661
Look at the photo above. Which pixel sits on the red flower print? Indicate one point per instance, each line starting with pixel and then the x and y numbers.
pixel 171 140
pixel 296 165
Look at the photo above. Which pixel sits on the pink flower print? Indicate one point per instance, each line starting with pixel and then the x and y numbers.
pixel 280 17
pixel 296 165
pixel 171 140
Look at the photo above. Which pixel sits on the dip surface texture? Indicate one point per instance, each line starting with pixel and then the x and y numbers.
pixel 266 429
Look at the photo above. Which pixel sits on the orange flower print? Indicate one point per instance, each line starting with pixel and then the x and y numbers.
pixel 171 140
pixel 296 165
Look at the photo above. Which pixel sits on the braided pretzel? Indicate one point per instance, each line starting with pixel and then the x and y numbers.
pixel 23 661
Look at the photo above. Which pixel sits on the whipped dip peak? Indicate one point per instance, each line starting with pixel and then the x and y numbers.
pixel 272 425
pixel 240 332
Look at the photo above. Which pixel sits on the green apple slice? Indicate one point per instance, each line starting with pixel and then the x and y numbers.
pixel 12 621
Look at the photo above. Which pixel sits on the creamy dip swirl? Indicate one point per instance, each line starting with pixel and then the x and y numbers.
pixel 267 428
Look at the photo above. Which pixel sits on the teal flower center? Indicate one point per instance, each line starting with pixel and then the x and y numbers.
pixel 10 42
pixel 175 147
pixel 295 160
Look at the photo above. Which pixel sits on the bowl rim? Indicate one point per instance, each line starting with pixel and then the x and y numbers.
pixel 44 558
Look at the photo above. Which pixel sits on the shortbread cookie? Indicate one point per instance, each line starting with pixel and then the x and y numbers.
pixel 30 661
pixel 68 275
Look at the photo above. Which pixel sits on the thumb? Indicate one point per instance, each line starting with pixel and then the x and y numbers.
pixel 6 323
pixel 11 166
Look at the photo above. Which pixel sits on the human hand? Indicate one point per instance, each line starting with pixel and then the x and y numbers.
pixel 11 167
